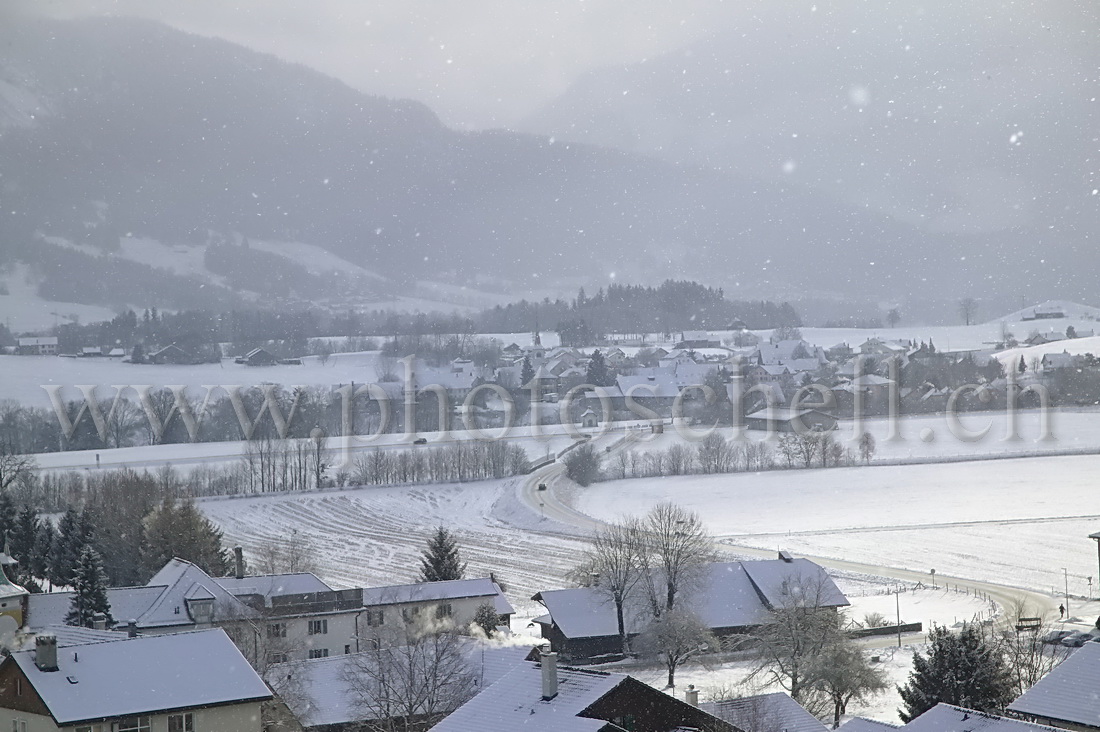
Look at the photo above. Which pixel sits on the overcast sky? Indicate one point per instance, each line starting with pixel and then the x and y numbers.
pixel 478 63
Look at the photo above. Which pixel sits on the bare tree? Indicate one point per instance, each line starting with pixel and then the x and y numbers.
pixel 15 468
pixel 968 308
pixel 122 420
pixel 844 674
pixel 401 688
pixel 1029 659
pixel 787 648
pixel 715 454
pixel 676 549
pixel 616 558
pixel 676 637
pixel 289 555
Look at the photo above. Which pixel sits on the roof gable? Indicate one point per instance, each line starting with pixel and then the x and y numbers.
pixel 143 675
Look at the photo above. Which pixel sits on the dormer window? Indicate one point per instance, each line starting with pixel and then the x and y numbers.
pixel 201 611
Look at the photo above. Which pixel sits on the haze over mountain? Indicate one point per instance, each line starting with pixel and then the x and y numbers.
pixel 116 128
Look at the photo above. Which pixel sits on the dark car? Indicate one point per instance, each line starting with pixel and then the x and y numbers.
pixel 420 441
pixel 1077 639
pixel 1056 636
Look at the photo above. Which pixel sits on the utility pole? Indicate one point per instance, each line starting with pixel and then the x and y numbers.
pixel 1065 576
pixel 897 606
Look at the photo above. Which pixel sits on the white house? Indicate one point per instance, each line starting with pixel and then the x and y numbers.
pixel 176 683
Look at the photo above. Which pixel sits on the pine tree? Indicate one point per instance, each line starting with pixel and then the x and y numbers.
pixel 440 560
pixel 8 515
pixel 23 536
pixel 1023 365
pixel 526 373
pixel 180 530
pixel 90 591
pixel 43 543
pixel 598 373
pixel 961 668
pixel 67 547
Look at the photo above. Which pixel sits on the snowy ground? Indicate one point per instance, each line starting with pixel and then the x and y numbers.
pixel 1013 522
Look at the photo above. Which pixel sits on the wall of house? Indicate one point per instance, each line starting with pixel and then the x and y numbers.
pixel 229 718
pixel 34 722
pixel 395 628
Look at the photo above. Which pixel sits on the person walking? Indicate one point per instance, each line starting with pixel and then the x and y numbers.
pixel 1061 611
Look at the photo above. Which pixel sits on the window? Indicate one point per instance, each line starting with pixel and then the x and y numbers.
pixel 18 686
pixel 375 618
pixel 132 724
pixel 318 627
pixel 19 725
pixel 277 658
pixel 276 630
pixel 181 722
pixel 443 611
pixel 347 649
pixel 409 614
pixel 318 653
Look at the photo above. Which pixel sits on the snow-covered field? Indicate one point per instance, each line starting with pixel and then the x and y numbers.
pixel 25 376
pixel 373 536
pixel 1014 522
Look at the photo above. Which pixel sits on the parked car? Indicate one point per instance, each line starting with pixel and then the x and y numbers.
pixel 1056 636
pixel 420 441
pixel 1077 639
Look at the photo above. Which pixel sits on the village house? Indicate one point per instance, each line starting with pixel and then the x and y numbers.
pixel 171 354
pixel 43 346
pixel 785 419
pixel 775 711
pixel 323 694
pixel 179 683
pixel 736 597
pixel 390 613
pixel 257 357
pixel 541 696
pixel 1066 697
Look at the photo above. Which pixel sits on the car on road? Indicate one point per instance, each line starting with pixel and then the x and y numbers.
pixel 420 441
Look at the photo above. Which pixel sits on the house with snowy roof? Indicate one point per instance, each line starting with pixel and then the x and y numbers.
pixel 333 694
pixel 543 697
pixel 41 346
pixel 177 682
pixel 1066 697
pixel 950 718
pixel 775 711
pixel 390 612
pixel 734 598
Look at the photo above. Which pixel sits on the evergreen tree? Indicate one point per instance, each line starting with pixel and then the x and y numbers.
pixel 180 530
pixel 90 591
pixel 8 514
pixel 67 547
pixel 43 542
pixel 961 668
pixel 1023 365
pixel 526 373
pixel 440 560
pixel 23 536
pixel 598 374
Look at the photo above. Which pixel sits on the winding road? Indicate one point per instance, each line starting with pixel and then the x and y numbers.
pixel 549 503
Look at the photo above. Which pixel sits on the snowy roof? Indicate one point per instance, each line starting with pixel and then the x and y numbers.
pixel 515 703
pixel 50 608
pixel 1068 693
pixel 67 635
pixel 863 724
pixel 776 711
pixel 432 591
pixel 318 690
pixel 161 603
pixel 948 718
pixel 781 414
pixel 143 675
pixel 735 594
pixel 46 341
pixel 274 585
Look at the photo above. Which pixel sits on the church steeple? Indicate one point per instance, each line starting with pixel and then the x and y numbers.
pixel 538 338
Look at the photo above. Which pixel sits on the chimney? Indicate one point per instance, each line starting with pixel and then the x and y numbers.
pixel 594 579
pixel 786 557
pixel 238 557
pixel 549 663
pixel 45 652
pixel 131 628
pixel 691 696
pixel 99 621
